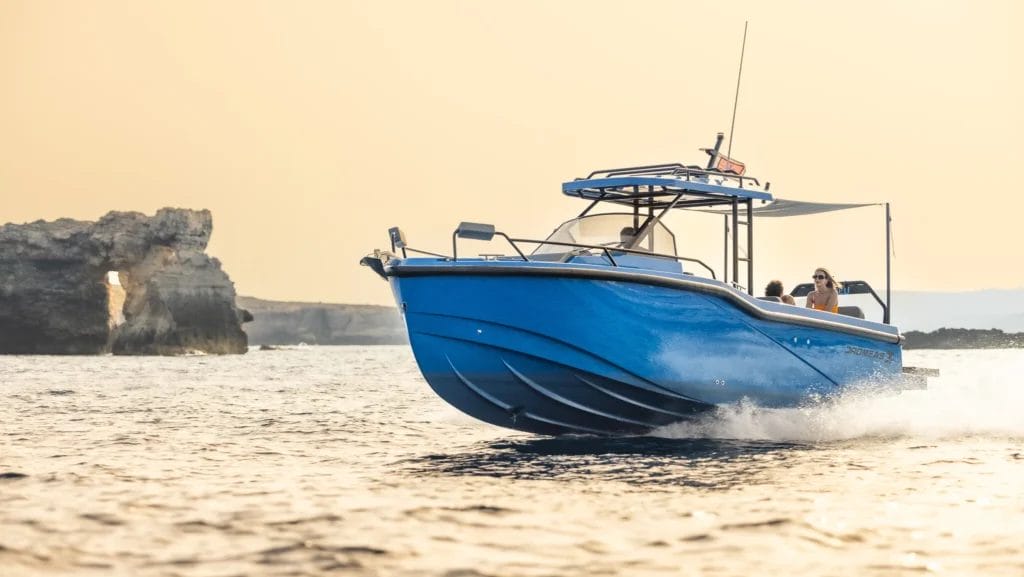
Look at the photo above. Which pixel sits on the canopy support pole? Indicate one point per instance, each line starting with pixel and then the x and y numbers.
pixel 646 231
pixel 725 250
pixel 735 240
pixel 888 267
pixel 750 246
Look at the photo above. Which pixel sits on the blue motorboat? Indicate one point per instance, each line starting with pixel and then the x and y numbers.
pixel 602 328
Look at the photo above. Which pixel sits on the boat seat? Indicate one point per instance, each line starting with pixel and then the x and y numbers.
pixel 852 311
pixel 772 299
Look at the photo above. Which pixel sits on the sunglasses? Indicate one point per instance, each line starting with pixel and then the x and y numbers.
pixel 819 277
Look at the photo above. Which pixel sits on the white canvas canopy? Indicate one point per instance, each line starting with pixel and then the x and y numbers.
pixel 781 207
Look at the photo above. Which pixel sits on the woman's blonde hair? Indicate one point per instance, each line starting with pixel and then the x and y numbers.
pixel 832 282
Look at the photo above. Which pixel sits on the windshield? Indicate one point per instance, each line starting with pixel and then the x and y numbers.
pixel 613 230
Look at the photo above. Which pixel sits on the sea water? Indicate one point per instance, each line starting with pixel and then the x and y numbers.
pixel 340 460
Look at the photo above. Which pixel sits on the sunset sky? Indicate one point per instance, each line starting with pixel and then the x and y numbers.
pixel 308 128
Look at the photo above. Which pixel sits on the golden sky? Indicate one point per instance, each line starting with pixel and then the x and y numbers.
pixel 308 128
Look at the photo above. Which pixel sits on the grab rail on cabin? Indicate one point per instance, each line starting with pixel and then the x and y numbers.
pixel 486 232
pixel 671 169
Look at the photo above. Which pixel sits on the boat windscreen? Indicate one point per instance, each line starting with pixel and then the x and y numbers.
pixel 612 230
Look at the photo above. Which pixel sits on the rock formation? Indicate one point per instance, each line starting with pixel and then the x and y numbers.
pixel 55 297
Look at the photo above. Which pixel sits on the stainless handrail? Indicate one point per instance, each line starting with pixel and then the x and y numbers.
pixel 672 169
pixel 606 250
pixel 617 249
pixel 487 232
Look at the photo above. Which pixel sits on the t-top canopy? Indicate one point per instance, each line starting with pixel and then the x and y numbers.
pixel 664 185
pixel 690 187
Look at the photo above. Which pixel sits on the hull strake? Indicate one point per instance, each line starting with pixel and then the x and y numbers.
pixel 554 399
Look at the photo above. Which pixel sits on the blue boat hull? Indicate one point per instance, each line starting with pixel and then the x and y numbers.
pixel 554 354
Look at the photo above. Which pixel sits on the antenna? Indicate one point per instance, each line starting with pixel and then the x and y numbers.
pixel 736 101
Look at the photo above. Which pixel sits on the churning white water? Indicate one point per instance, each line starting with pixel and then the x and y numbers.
pixel 977 393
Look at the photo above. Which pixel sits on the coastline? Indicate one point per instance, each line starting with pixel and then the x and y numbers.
pixel 293 323
pixel 954 338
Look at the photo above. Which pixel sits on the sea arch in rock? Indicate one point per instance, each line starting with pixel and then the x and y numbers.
pixel 55 297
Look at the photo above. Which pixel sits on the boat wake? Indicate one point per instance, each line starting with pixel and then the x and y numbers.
pixel 975 399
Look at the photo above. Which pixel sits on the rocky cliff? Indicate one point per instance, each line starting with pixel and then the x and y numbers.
pixel 290 323
pixel 57 294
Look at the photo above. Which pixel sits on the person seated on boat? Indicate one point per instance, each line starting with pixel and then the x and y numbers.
pixel 627 239
pixel 825 296
pixel 626 236
pixel 775 289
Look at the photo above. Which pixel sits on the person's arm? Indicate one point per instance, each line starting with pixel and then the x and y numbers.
pixel 832 301
pixel 810 300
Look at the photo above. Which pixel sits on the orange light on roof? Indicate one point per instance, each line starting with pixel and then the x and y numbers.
pixel 725 164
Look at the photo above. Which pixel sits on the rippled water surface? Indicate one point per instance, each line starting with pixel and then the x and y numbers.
pixel 339 460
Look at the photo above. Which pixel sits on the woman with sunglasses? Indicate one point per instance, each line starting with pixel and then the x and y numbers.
pixel 825 296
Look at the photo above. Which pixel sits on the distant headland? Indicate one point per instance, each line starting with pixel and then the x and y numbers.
pixel 293 323
pixel 946 338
